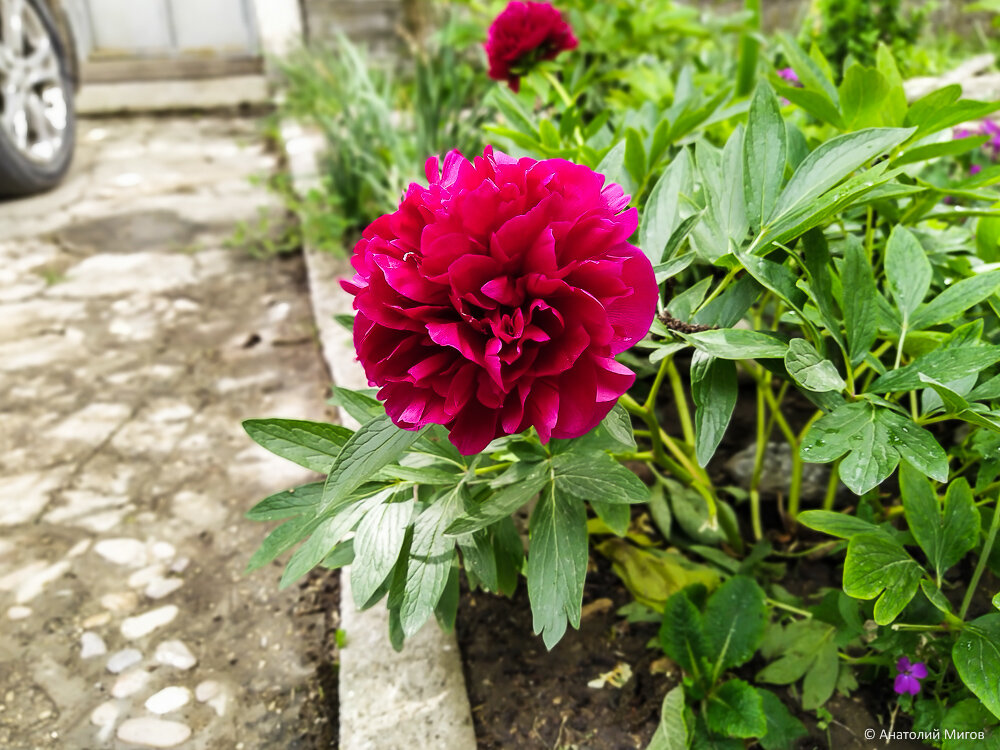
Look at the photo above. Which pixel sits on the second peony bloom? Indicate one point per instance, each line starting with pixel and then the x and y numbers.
pixel 496 298
pixel 521 36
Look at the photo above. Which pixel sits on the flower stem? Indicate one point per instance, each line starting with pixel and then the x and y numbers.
pixel 831 485
pixel 920 627
pixel 719 289
pixel 557 86
pixel 680 399
pixel 789 608
pixel 981 565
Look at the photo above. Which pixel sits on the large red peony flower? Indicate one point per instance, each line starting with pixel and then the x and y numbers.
pixel 523 34
pixel 496 298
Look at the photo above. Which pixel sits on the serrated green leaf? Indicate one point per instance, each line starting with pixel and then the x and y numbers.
pixel 810 370
pixel 314 445
pixel 682 634
pixel 714 390
pixel 976 655
pixel 877 566
pixel 783 729
pixel 764 154
pixel 734 621
pixel 735 709
pixel 557 563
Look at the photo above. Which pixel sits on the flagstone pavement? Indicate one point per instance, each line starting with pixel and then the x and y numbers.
pixel 132 344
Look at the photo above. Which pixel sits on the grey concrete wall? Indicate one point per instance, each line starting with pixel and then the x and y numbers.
pixel 374 23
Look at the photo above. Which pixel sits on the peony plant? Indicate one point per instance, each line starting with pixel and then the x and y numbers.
pixel 526 316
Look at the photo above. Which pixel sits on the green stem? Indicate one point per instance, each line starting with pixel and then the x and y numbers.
pixel 642 456
pixel 680 399
pixel 920 627
pixel 789 608
pixel 758 466
pixel 494 467
pixel 557 86
pixel 719 289
pixel 831 485
pixel 981 565
pixel 654 390
pixel 655 435
pixel 899 347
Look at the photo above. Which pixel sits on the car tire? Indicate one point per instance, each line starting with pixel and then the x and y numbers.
pixel 37 117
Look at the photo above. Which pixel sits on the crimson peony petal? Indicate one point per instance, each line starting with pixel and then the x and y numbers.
pixel 496 298
pixel 523 34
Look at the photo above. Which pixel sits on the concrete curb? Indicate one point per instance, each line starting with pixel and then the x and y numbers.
pixel 417 698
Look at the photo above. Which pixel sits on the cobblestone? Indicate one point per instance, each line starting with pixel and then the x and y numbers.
pixel 132 344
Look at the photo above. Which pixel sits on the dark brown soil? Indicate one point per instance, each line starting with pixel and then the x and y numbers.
pixel 528 698
pixel 320 592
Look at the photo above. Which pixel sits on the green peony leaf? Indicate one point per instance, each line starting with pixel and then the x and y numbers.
pixel 877 566
pixel 976 655
pixel 714 390
pixel 557 563
pixel 314 445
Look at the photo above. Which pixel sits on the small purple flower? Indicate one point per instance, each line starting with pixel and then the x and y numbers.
pixel 789 75
pixel 960 133
pixel 975 169
pixel 909 677
pixel 992 129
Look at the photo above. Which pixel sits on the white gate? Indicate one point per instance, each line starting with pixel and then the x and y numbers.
pixel 172 29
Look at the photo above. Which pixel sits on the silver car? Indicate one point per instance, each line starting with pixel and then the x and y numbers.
pixel 39 73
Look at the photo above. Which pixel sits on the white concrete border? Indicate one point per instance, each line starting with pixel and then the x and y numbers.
pixel 388 701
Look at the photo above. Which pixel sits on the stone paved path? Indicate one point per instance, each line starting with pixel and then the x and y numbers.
pixel 132 344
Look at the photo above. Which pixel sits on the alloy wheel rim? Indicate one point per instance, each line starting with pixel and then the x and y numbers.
pixel 33 111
